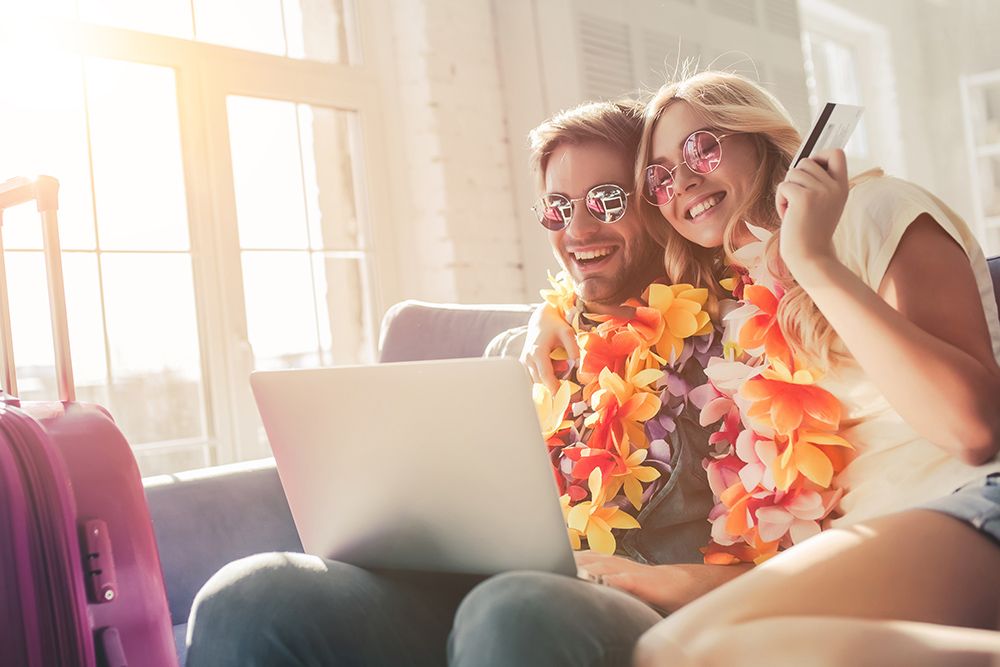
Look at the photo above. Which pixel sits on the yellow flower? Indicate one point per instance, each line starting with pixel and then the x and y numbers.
pixel 683 317
pixel 574 535
pixel 632 406
pixel 552 409
pixel 632 474
pixel 593 519
pixel 562 296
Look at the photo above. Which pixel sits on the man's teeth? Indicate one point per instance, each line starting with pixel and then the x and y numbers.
pixel 592 254
pixel 703 206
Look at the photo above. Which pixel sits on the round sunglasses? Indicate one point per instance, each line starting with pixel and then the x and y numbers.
pixel 606 203
pixel 701 152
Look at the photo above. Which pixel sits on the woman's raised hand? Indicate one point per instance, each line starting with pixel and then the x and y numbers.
pixel 809 202
pixel 547 331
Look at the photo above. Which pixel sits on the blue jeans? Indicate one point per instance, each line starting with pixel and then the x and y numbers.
pixel 293 609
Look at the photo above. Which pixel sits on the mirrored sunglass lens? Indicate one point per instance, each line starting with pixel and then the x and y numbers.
pixel 659 185
pixel 702 152
pixel 607 203
pixel 554 212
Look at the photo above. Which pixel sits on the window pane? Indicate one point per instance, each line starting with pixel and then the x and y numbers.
pixel 153 338
pixel 63 9
pixel 343 309
pixel 985 108
pixel 317 30
pixel 989 185
pixel 32 325
pixel 138 174
pixel 328 141
pixel 280 309
pixel 254 26
pixel 43 130
pixel 162 17
pixel 267 173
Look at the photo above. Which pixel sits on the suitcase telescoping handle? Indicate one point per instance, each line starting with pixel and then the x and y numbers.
pixel 44 191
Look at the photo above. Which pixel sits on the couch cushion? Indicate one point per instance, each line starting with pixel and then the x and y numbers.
pixel 416 331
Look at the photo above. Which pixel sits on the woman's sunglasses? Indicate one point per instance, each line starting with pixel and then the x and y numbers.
pixel 701 152
pixel 606 203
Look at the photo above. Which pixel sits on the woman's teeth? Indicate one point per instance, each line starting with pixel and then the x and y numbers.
pixel 703 206
pixel 591 254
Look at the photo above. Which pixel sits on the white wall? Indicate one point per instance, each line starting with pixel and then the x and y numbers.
pixel 456 240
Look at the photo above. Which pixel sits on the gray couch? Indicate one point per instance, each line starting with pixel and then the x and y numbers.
pixel 208 518
pixel 231 512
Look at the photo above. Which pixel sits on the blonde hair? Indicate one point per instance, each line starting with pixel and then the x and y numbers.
pixel 732 103
pixel 615 124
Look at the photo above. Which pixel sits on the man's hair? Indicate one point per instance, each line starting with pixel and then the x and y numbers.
pixel 615 124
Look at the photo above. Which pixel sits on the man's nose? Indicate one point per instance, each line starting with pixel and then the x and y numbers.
pixel 582 224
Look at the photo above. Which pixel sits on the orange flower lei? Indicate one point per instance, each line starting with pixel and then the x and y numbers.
pixel 776 449
pixel 605 425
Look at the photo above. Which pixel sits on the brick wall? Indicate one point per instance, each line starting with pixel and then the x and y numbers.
pixel 455 229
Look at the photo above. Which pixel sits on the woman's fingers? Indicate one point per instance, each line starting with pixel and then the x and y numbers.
pixel 546 374
pixel 568 339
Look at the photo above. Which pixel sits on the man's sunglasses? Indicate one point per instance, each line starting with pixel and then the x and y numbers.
pixel 606 203
pixel 701 152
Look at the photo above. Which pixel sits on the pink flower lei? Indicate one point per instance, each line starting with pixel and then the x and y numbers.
pixel 775 449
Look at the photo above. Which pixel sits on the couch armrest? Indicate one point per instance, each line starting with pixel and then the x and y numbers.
pixel 206 518
pixel 416 330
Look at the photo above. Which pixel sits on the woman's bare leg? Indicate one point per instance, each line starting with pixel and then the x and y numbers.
pixel 919 566
pixel 793 641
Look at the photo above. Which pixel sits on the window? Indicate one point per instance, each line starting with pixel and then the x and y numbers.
pixel 214 158
pixel 848 60
pixel 981 104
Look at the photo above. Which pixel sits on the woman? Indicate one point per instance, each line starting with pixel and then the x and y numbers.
pixel 885 291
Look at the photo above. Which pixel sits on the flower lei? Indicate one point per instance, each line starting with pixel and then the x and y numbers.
pixel 606 426
pixel 776 449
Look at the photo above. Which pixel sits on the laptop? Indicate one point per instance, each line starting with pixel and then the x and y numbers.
pixel 434 466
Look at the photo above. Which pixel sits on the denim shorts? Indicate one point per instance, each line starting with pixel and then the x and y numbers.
pixel 977 504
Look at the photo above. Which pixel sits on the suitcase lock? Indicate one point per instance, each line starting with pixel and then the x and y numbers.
pixel 98 562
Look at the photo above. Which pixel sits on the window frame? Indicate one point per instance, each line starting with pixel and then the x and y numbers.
pixel 206 74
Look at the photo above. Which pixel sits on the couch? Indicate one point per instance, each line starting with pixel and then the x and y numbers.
pixel 205 519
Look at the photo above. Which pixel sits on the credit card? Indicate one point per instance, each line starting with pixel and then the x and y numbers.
pixel 832 129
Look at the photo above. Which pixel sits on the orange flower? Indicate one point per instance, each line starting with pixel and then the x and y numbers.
pixel 785 401
pixel 805 453
pixel 598 353
pixel 762 329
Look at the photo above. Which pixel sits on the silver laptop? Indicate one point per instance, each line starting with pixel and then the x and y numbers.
pixel 433 466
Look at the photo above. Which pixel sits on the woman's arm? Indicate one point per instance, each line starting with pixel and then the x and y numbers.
pixel 923 338
pixel 547 331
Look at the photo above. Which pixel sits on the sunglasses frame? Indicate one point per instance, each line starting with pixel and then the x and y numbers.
pixel 645 172
pixel 539 207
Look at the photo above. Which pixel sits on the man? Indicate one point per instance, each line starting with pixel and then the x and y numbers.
pixel 293 609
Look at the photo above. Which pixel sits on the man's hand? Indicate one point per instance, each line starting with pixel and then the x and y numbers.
pixel 667 587
pixel 547 331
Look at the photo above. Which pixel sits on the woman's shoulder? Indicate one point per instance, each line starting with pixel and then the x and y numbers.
pixel 875 192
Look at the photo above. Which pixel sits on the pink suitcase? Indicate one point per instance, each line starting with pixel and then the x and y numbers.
pixel 80 577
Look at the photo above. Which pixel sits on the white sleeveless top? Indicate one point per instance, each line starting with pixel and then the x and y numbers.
pixel 894 468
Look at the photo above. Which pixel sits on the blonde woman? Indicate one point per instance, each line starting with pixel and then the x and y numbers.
pixel 885 293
